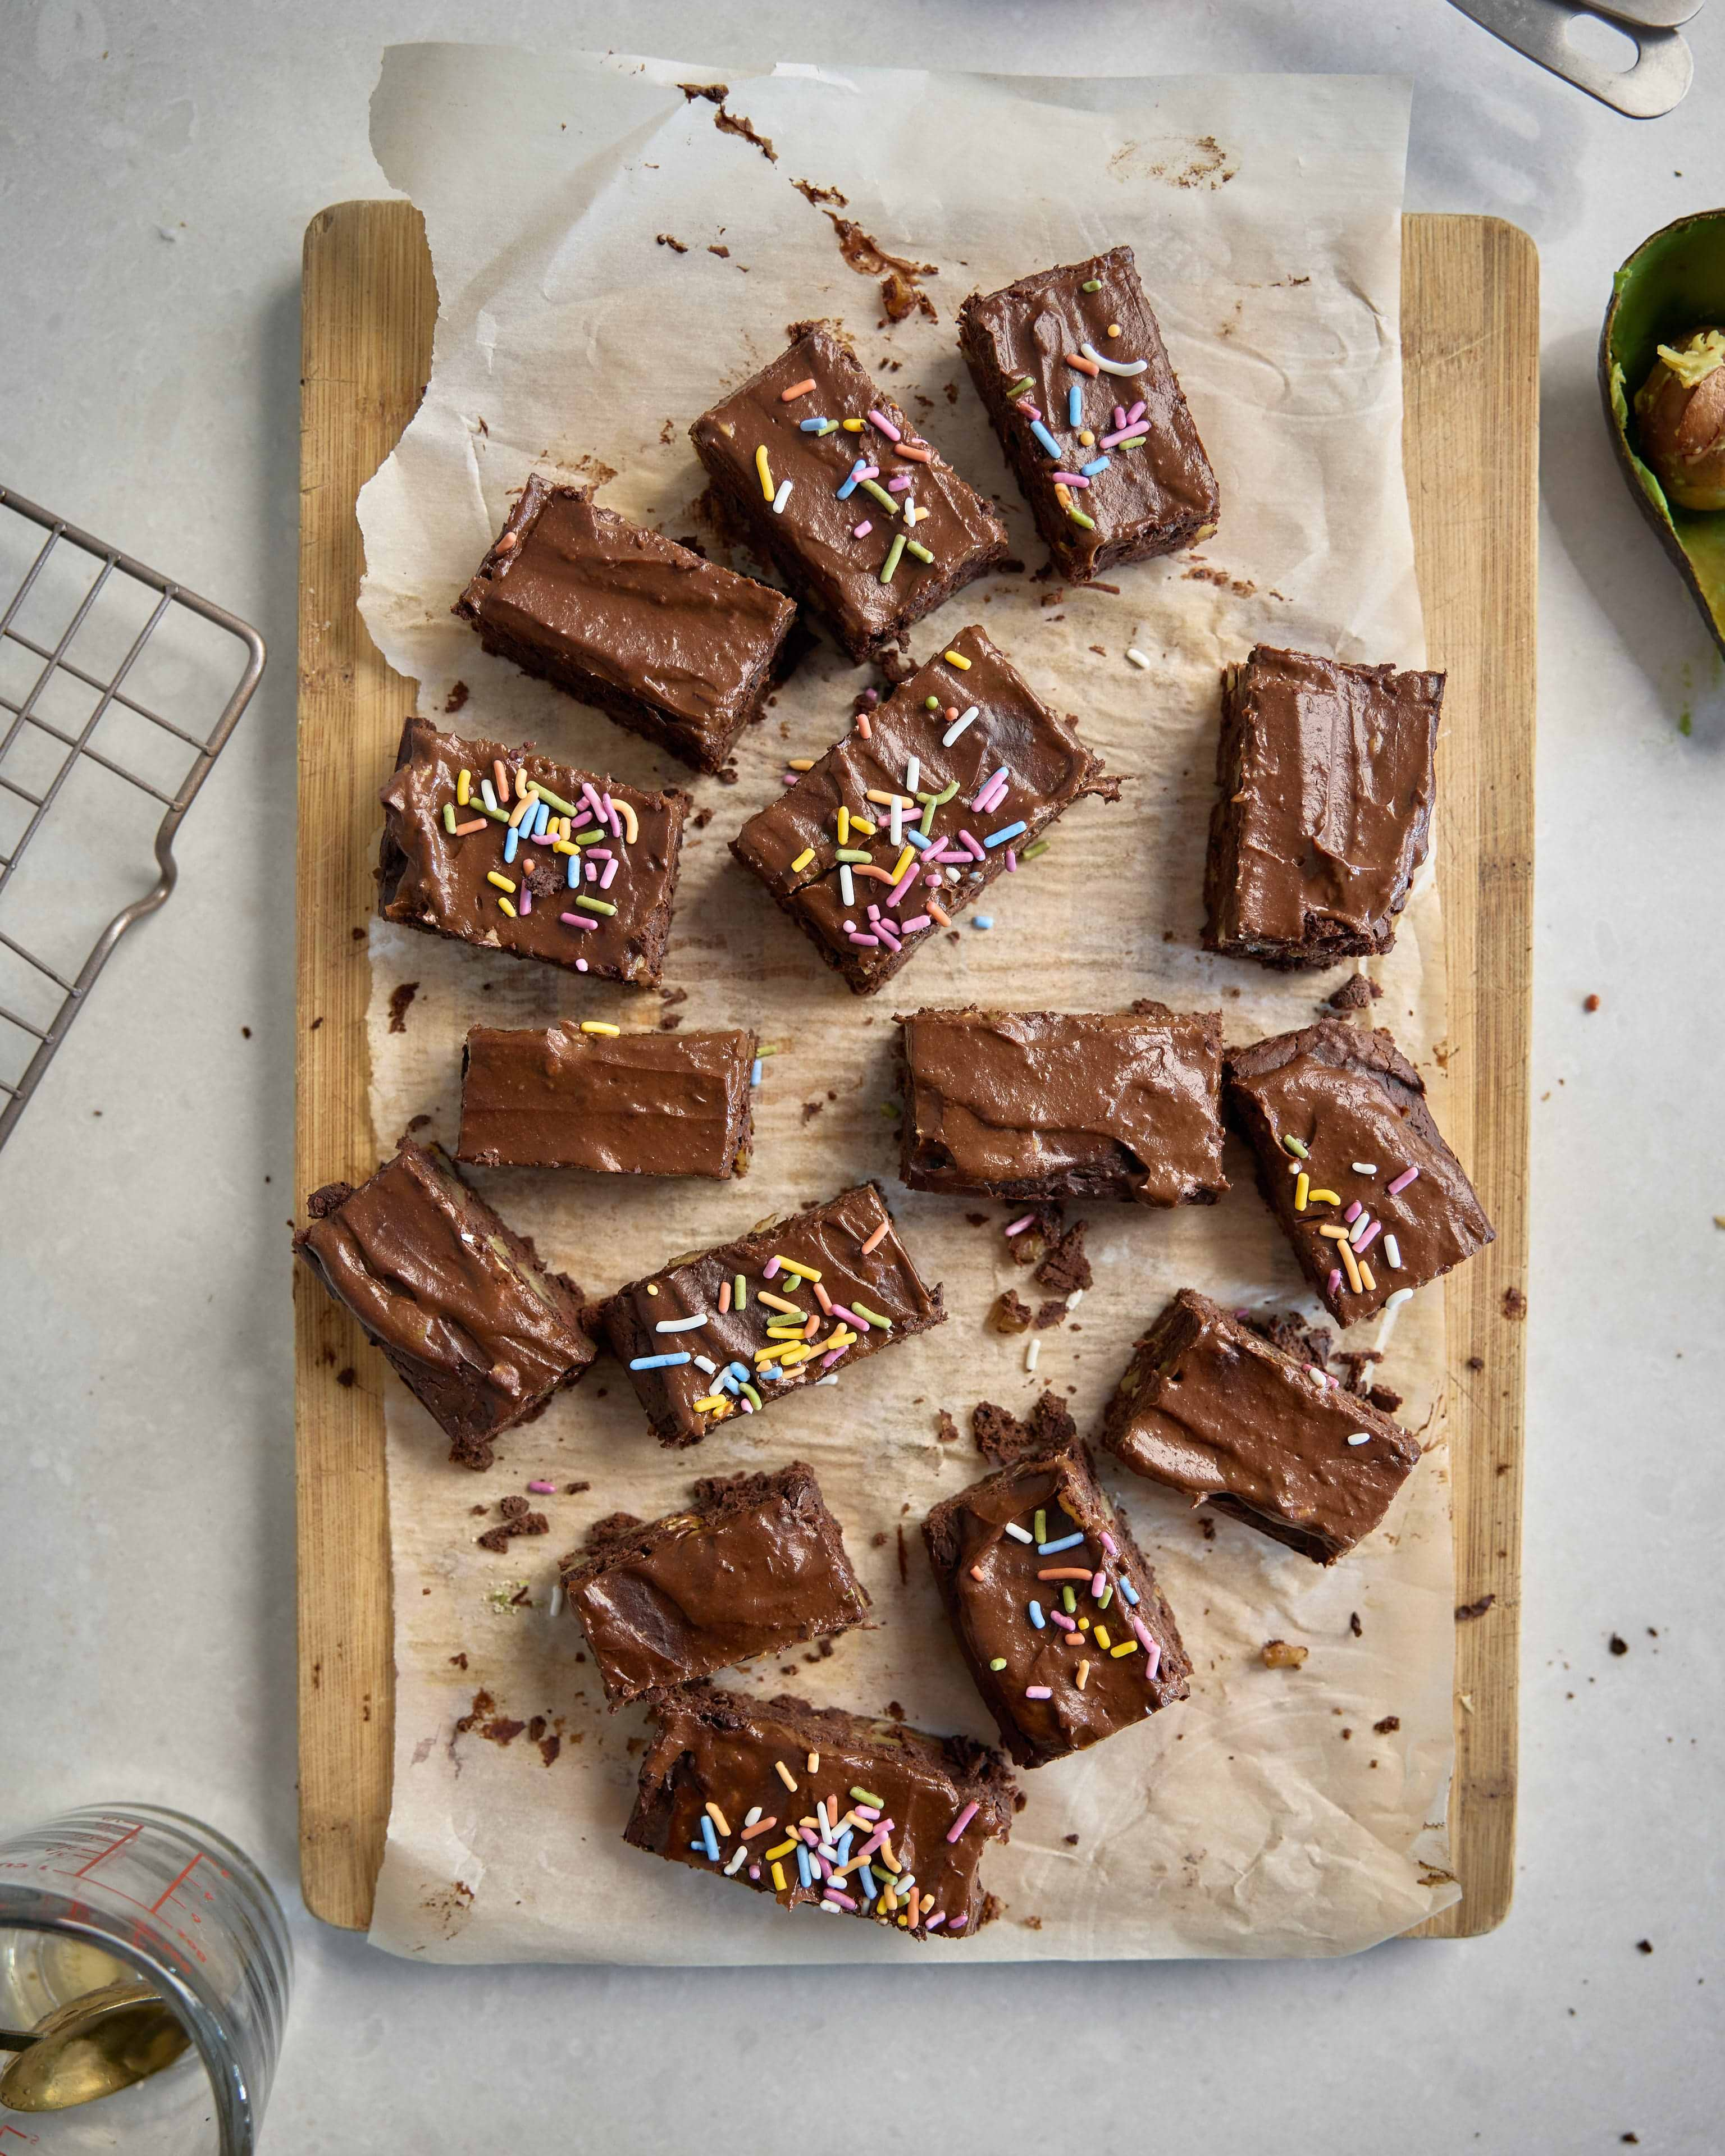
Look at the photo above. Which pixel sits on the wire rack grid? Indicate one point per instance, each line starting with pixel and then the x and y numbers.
pixel 90 645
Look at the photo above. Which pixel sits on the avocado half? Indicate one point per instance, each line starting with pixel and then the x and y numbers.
pixel 1672 284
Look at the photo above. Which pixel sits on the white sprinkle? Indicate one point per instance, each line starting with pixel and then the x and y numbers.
pixel 1364 1167
pixel 1359 1229
pixel 751 1814
pixel 680 1324
pixel 1137 657
pixel 847 887
pixel 1019 1534
pixel 740 1855
pixel 826 1381
pixel 1392 1251
pixel 1402 1294
pixel 1360 1437
pixel 913 772
pixel 829 1908
pixel 1030 1354
pixel 556 1603
pixel 702 1364
pixel 1075 1298
pixel 958 726
pixel 781 497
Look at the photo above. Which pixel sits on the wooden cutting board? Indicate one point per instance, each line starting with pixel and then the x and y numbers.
pixel 1471 337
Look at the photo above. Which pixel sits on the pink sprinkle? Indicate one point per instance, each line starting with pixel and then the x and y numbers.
pixel 862 530
pixel 1120 415
pixel 754 1869
pixel 581 817
pixel 880 420
pixel 867 1811
pixel 1365 1240
pixel 875 1840
pixel 745 1408
pixel 541 839
pixel 837 1894
pixel 963 1820
pixel 1029 410
pixel 934 1923
pixel 1099 1581
pixel 887 937
pixel 590 795
pixel 898 485
pixel 868 471
pixel 789 777
pixel 611 869
pixel 1130 434
pixel 1109 1543
pixel 875 913
pixel 580 963
pixel 971 846
pixel 1335 1283
pixel 1070 479
pixel 904 884
pixel 1018 1227
pixel 1407 1176
pixel 1146 1638
pixel 770 1269
pixel 1059 1617
pixel 526 898
pixel 1136 413
pixel 809 1836
pixel 959 1921
pixel 868 942
pixel 1353 1211
pixel 1038 1692
pixel 959 858
pixel 849 1317
pixel 544 1489
pixel 838 1355
pixel 1152 1662
pixel 578 921
pixel 910 927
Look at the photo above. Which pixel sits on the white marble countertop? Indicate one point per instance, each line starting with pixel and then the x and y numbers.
pixel 158 169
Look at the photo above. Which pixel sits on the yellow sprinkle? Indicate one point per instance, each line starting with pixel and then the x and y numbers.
pixel 772 1354
pixel 784 1849
pixel 1102 1635
pixel 799 763
pixel 844 824
pixel 1324 1197
pixel 1336 1235
pixel 611 1033
pixel 464 787
pixel 852 426
pixel 787 1356
pixel 902 864
pixel 1355 1278
pixel 564 846
pixel 778 1877
pixel 1126 1647
pixel 814 1767
pixel 1302 1191
pixel 790 1265
pixel 862 823
pixel 764 469
pixel 785 1775
pixel 1087 438
pixel 1084 1624
pixel 1365 1274
pixel 1114 329
pixel 1083 1673
pixel 955 659
pixel 651 1289
pixel 1063 493
pixel 504 906
pixel 802 861
pixel 712 1400
pixel 716 1816
pixel 502 882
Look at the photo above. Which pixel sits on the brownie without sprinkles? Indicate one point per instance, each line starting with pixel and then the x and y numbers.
pixel 471 1322
pixel 1325 781
pixel 1209 1407
pixel 617 1103
pixel 1041 1105
pixel 431 878
pixel 1320 1108
pixel 673 647
pixel 1141 484
pixel 1106 1655
pixel 755 1564
pixel 792 846
pixel 867 589
pixel 764 1766
pixel 699 1376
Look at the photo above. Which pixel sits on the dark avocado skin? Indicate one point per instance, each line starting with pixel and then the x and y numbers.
pixel 1672 282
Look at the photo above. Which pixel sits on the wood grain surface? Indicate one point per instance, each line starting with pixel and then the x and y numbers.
pixel 1470 320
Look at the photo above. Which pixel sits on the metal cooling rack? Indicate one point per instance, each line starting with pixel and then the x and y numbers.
pixel 91 643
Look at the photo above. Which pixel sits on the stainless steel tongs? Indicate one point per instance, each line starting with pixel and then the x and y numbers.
pixel 1663 69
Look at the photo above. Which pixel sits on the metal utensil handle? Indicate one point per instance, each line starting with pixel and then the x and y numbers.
pixel 1660 79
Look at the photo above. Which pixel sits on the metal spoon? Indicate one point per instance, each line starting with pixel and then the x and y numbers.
pixel 1663 68
pixel 91 2047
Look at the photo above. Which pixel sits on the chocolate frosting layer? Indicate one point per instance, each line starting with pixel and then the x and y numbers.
pixel 1348 1095
pixel 1155 494
pixel 826 1238
pixel 1047 767
pixel 814 538
pixel 428 879
pixel 1028 1104
pixel 756 1564
pixel 1209 1407
pixel 714 1748
pixel 458 1303
pixel 607 609
pixel 634 1103
pixel 990 1578
pixel 1326 780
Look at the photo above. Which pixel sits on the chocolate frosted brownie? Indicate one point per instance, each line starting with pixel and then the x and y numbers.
pixel 756 1564
pixel 907 820
pixel 670 646
pixel 1039 1104
pixel 1323 811
pixel 586 1095
pixel 590 889
pixel 825 473
pixel 857 1816
pixel 1053 1607
pixel 472 1322
pixel 1353 1165
pixel 1209 1407
pixel 731 1330
pixel 1071 366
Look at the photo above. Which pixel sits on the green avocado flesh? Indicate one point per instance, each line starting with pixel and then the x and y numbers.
pixel 1673 283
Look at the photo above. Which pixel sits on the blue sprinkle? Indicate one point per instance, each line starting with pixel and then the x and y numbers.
pixel 982 920
pixel 916 839
pixel 844 1844
pixel 726 1382
pixel 1043 435
pixel 755 1073
pixel 1130 1592
pixel 805 1869
pixel 739 1371
pixel 1006 831
pixel 658 1362
pixel 697 1846
pixel 811 426
pixel 573 878
pixel 865 1878
pixel 511 844
pixel 856 472
pixel 541 823
pixel 1074 406
pixel 708 1837
pixel 1037 1618
pixel 1097 465
pixel 1065 1543
pixel 770 1370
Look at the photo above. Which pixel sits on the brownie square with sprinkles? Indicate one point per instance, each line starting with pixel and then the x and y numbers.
pixel 867 523
pixel 1353 1164
pixel 903 824
pixel 503 848
pixel 1072 368
pixel 854 1816
pixel 1054 1607
pixel 797 1301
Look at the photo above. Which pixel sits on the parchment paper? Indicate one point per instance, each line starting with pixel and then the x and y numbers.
pixel 1267 1814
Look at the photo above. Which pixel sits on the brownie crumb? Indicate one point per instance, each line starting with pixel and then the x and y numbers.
pixel 1618 1644
pixel 1032 1244
pixel 458 1661
pixel 1469 1609
pixel 895 1713
pixel 811 193
pixel 1010 1313
pixel 1476 1361
pixel 811 1108
pixel 723 253
pixel 417 1123
pixel 456 698
pixel 1355 993
pixel 575 1489
pixel 945 1429
pixel 1001 1438
pixel 1590 1003
pixel 1071 1840
pixel 1283 1330
pixel 1383 1398
pixel 1355 1362
pixel 878 1540
pixel 1207 1528
pixel 1050 1313
pixel 1283 1655
pixel 1644 1946
pixel 670 240
pixel 399 999
pixel 1514 1303
pixel 1066 1269
pixel 329 1199
pixel 549 1747
pixel 1354 1625
pixel 1388 1726
pixel 523 1522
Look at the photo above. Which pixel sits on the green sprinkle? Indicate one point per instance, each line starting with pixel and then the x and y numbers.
pixel 930 703
pixel 1069 1600
pixel 767 1048
pixel 851 854
pixel 1019 387
pixel 1296 1147
pixel 1078 517
pixel 924 822
pixel 868 1797
pixel 894 555
pixel 591 837
pixel 450 817
pixel 1039 1526
pixel 872 486
pixel 749 1393
pixel 550 799
pixel 999 1662
pixel 596 905
pixel 917 548
pixel 1031 853
pixel 874 1316
pixel 939 800
pixel 740 1294
pixel 496 815
pixel 1091 284
pixel 1107 1596
pixel 826 427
